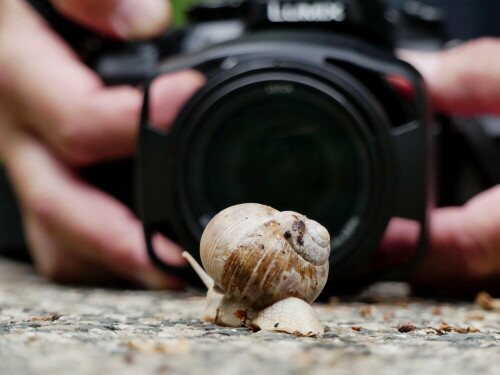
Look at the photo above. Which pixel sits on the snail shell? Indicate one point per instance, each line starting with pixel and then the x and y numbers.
pixel 259 255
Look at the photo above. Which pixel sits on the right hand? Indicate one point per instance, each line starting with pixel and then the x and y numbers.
pixel 464 249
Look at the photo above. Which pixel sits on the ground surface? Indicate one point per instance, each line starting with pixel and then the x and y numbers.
pixel 51 329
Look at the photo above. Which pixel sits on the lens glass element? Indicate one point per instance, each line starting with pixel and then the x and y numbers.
pixel 283 144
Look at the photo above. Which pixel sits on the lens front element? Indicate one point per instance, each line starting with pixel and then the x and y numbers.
pixel 285 144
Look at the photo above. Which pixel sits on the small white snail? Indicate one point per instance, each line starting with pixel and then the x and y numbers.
pixel 264 269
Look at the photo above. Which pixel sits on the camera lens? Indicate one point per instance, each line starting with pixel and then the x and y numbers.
pixel 287 144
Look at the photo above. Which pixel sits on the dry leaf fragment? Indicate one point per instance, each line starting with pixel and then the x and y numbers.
pixel 475 317
pixel 366 311
pixel 45 318
pixel 445 327
pixel 466 330
pixel 436 310
pixel 39 319
pixel 334 300
pixel 181 347
pixel 406 327
pixel 437 331
pixel 389 316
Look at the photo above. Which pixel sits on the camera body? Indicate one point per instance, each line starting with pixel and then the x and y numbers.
pixel 301 112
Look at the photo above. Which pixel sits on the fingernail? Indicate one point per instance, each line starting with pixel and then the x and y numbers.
pixel 168 251
pixel 139 19
pixel 187 81
pixel 177 88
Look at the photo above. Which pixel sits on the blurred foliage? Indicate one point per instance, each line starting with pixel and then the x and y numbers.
pixel 179 10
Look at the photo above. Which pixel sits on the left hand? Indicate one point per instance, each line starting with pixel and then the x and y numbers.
pixel 56 116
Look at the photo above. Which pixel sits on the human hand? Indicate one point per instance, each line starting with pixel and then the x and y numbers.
pixel 56 116
pixel 464 252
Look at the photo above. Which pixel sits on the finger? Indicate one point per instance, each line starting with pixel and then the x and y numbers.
pixel 84 219
pixel 51 261
pixel 67 104
pixel 169 93
pixel 60 265
pixel 464 244
pixel 398 244
pixel 463 250
pixel 129 19
pixel 103 125
pixel 463 80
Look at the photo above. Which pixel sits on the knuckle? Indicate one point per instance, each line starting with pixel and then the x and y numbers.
pixel 72 139
pixel 43 205
pixel 470 75
pixel 75 130
pixel 123 248
pixel 485 44
pixel 8 77
pixel 116 249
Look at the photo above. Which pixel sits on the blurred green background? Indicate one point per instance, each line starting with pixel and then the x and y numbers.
pixel 179 8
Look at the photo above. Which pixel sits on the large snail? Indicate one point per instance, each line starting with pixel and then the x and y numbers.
pixel 264 269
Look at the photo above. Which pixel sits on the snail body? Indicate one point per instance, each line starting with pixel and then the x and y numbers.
pixel 264 268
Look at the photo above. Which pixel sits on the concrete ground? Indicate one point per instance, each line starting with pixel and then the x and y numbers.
pixel 52 329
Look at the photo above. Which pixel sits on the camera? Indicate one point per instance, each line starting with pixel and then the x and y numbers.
pixel 301 111
pixel 305 108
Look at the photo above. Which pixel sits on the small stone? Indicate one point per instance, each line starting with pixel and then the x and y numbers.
pixel 487 302
pixel 406 327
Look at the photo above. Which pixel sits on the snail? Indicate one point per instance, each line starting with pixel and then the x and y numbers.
pixel 263 269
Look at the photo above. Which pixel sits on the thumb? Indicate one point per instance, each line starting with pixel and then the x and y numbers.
pixel 464 80
pixel 464 245
pixel 127 19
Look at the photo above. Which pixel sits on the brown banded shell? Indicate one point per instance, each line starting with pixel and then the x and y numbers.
pixel 260 255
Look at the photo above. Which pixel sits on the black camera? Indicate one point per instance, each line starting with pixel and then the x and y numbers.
pixel 305 108
pixel 301 111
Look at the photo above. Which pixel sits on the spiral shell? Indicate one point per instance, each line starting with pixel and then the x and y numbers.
pixel 259 255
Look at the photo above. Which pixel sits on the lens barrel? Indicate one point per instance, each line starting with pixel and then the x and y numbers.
pixel 324 133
